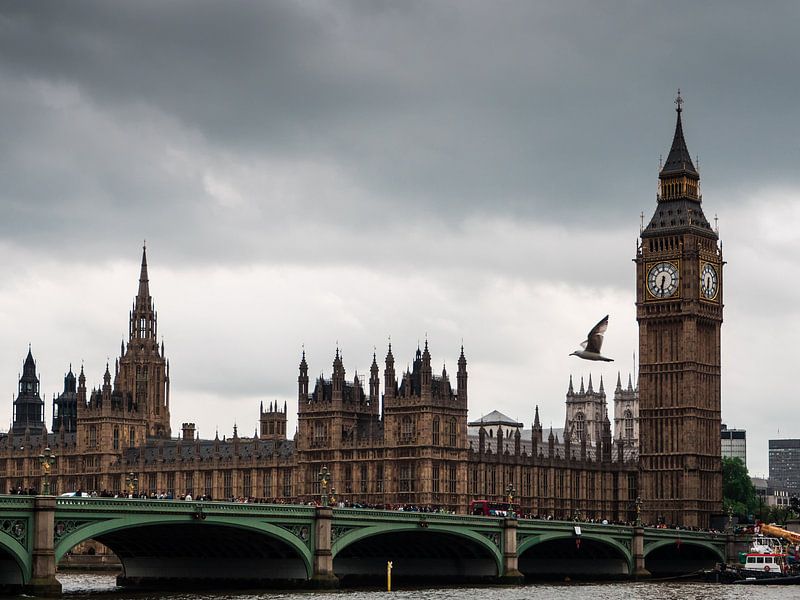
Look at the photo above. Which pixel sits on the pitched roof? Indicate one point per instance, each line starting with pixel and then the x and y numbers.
pixel 495 418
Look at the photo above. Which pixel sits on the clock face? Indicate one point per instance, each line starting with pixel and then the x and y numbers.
pixel 662 280
pixel 709 282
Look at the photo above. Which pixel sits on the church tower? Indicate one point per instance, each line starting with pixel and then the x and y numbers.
pixel 679 310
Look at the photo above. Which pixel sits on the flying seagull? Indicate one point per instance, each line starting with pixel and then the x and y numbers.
pixel 591 347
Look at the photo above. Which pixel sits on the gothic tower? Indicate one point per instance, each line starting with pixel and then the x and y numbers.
pixel 28 406
pixel 425 428
pixel 65 407
pixel 143 368
pixel 272 422
pixel 587 411
pixel 679 310
pixel 334 419
pixel 626 413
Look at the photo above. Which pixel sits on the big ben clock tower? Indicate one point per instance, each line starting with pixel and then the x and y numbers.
pixel 679 310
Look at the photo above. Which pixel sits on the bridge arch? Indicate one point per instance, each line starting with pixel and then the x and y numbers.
pixel 675 557
pixel 178 546
pixel 416 552
pixel 15 563
pixel 560 554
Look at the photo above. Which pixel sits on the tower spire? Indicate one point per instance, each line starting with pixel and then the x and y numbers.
pixel 679 160
pixel 144 281
pixel 679 197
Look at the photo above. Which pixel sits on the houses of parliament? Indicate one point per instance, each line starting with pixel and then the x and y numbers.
pixel 403 438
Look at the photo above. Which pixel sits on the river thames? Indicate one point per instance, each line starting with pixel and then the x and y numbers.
pixel 100 586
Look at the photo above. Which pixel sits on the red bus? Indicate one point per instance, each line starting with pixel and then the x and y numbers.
pixel 486 508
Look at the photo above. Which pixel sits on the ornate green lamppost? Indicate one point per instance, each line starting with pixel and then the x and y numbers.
pixel 47 461
pixel 510 491
pixel 132 483
pixel 324 479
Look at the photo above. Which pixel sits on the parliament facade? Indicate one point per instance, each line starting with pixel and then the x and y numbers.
pixel 403 438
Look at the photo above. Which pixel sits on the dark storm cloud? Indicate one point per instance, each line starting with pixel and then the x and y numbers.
pixel 307 172
pixel 428 110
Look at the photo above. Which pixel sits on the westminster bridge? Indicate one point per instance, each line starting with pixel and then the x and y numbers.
pixel 162 542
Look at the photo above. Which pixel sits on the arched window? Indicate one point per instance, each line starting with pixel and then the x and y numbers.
pixel 628 421
pixel 132 437
pixel 580 426
pixel 116 438
pixel 406 429
pixel 319 432
pixel 435 433
pixel 92 436
pixel 451 432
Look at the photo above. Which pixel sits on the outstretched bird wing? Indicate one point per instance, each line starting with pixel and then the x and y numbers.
pixel 595 340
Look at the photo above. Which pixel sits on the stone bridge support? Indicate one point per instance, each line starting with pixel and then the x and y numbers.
pixel 43 577
pixel 511 573
pixel 323 575
pixel 637 548
pixel 730 549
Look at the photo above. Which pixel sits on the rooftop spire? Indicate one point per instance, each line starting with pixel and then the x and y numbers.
pixel 144 281
pixel 679 160
pixel 29 366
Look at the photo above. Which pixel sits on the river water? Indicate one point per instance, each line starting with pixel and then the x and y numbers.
pixel 96 587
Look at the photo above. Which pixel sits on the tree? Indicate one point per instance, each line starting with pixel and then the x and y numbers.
pixel 738 492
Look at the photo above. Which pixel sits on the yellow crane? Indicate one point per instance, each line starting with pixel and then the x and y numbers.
pixel 780 532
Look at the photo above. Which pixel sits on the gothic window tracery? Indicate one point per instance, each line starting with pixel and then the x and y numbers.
pixel 628 421
pixel 407 429
pixel 580 426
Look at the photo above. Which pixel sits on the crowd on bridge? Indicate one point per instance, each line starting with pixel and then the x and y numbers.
pixel 433 509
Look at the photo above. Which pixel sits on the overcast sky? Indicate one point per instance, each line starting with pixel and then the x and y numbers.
pixel 315 173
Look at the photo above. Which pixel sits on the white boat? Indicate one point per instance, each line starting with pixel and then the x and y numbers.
pixel 766 555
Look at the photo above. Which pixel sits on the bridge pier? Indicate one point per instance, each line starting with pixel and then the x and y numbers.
pixel 43 580
pixel 511 573
pixel 323 575
pixel 637 548
pixel 731 556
